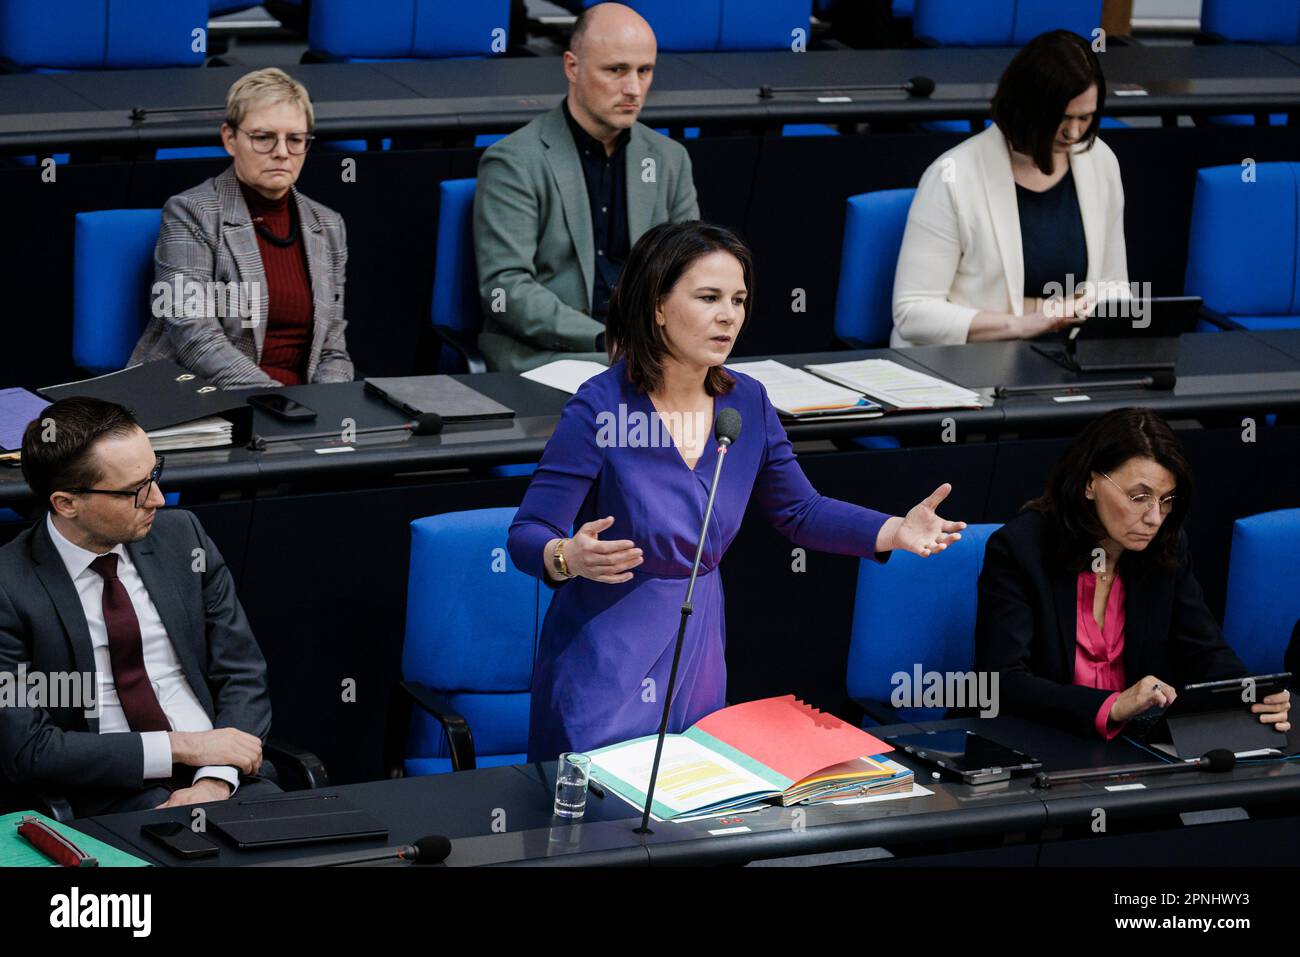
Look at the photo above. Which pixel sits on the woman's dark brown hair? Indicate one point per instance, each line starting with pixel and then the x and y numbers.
pixel 656 262
pixel 1036 87
pixel 1103 446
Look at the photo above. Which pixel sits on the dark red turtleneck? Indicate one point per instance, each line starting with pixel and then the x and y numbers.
pixel 289 308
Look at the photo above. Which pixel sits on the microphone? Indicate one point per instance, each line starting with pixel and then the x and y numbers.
pixel 426 423
pixel 918 86
pixel 432 849
pixel 1161 379
pixel 726 430
pixel 1218 761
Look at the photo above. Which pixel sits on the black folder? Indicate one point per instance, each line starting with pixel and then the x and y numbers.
pixel 452 400
pixel 288 820
pixel 161 395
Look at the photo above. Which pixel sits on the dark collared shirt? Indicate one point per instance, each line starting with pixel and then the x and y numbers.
pixel 606 178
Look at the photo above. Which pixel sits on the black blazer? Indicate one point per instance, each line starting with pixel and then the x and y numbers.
pixel 1026 627
pixel 43 626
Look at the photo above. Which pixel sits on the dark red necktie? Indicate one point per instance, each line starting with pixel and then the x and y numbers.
pixel 126 652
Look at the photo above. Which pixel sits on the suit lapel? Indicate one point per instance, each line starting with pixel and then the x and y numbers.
pixel 313 238
pixel 1000 192
pixel 566 171
pixel 238 234
pixel 640 194
pixel 1091 212
pixel 159 577
pixel 1065 596
pixel 1136 625
pixel 63 594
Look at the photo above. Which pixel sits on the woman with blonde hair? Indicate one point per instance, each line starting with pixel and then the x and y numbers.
pixel 249 272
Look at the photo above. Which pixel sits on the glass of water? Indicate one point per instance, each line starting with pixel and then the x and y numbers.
pixel 571 779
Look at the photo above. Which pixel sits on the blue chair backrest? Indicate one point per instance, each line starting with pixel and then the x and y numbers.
pixel 455 273
pixel 1263 601
pixel 695 25
pixel 873 234
pixel 103 34
pixel 472 621
pixel 1252 21
pixel 408 28
pixel 1001 22
pixel 915 611
pixel 112 275
pixel 1242 251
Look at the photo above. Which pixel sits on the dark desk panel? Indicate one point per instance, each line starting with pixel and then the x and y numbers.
pixel 1286 341
pixel 39 93
pixel 502 815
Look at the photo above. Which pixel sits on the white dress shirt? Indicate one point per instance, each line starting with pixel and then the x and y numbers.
pixel 175 696
pixel 962 252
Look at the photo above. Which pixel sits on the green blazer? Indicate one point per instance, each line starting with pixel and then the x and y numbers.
pixel 533 236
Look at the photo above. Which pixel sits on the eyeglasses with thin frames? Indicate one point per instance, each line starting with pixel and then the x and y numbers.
pixel 264 141
pixel 140 494
pixel 1144 500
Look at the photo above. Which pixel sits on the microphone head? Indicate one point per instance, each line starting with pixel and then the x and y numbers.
pixel 432 849
pixel 1162 379
pixel 1218 761
pixel 727 428
pixel 427 423
pixel 920 86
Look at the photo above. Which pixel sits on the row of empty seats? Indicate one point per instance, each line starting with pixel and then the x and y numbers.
pixel 126 34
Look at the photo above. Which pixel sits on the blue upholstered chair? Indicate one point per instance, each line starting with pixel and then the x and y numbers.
pixel 1251 21
pixel 101 34
pixel 1263 601
pixel 457 317
pixel 993 23
pixel 914 611
pixel 407 29
pixel 873 235
pixel 1244 245
pixel 472 621
pixel 112 274
pixel 702 25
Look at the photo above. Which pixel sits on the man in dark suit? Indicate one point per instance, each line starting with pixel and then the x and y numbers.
pixel 172 706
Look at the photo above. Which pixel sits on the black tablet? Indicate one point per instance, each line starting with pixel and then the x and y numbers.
pixel 966 755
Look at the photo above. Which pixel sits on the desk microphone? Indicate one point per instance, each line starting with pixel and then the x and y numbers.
pixel 1162 380
pixel 1218 761
pixel 426 423
pixel 726 430
pixel 919 86
pixel 432 849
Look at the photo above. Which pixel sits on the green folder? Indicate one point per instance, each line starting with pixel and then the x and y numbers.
pixel 15 851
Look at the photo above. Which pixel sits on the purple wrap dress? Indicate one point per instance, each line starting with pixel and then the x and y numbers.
pixel 605 650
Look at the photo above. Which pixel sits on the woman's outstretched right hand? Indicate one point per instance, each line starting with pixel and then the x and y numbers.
pixel 610 562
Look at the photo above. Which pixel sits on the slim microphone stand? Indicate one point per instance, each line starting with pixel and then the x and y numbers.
pixel 681 637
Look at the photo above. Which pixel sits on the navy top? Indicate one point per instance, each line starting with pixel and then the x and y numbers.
pixel 606 178
pixel 1051 236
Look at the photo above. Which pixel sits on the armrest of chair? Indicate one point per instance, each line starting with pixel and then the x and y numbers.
pixel 464 344
pixel 454 725
pixel 295 766
pixel 52 805
pixel 1218 318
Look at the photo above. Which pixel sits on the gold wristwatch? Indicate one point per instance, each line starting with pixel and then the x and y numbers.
pixel 557 560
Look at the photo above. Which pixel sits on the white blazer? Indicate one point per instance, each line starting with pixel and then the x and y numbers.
pixel 962 252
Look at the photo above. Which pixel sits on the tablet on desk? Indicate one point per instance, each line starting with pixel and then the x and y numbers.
pixel 965 755
pixel 290 820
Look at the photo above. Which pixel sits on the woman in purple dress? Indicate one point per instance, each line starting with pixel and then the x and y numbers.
pixel 629 466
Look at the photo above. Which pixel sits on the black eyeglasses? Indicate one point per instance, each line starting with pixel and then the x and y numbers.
pixel 140 494
pixel 264 141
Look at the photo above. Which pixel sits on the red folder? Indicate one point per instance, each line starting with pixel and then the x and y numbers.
pixel 790 737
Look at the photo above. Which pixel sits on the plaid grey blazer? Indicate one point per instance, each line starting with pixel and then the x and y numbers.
pixel 207 236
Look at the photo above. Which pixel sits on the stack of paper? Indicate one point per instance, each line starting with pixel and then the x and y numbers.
pixel 564 374
pixel 798 395
pixel 209 433
pixel 896 386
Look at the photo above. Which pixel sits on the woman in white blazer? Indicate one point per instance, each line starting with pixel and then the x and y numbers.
pixel 1006 227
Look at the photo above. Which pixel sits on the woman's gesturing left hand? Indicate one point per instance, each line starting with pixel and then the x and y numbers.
pixel 922 532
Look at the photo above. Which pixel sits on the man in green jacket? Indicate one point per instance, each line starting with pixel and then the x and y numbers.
pixel 560 202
